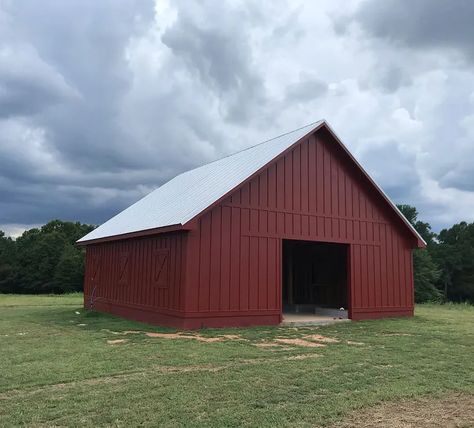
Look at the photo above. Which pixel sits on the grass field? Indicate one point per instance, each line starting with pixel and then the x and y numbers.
pixel 62 366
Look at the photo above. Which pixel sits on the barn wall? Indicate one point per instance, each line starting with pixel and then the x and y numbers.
pixel 312 193
pixel 140 278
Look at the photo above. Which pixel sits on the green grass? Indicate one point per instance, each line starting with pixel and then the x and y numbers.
pixel 58 369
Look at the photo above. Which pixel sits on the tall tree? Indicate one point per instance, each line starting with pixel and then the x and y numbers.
pixel 69 272
pixel 424 229
pixel 7 263
pixel 426 271
pixel 45 260
pixel 455 255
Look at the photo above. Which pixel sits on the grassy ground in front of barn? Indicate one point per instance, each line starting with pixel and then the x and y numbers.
pixel 63 366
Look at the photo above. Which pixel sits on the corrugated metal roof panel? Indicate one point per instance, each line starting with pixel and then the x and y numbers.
pixel 188 194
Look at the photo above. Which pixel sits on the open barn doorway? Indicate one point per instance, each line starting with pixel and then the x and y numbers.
pixel 315 281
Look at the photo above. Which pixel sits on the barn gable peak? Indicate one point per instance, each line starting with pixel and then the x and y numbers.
pixel 185 197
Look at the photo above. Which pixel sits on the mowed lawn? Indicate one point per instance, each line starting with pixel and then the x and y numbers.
pixel 63 366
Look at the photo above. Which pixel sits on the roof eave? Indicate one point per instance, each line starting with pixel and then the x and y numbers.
pixel 130 235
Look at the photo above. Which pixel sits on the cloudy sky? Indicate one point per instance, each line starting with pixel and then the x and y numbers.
pixel 103 101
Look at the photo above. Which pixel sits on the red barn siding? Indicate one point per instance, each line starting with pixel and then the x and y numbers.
pixel 137 278
pixel 227 268
pixel 311 193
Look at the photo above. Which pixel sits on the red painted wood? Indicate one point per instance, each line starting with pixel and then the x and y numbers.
pixel 227 269
pixel 136 281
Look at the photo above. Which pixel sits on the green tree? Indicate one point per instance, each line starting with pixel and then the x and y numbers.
pixel 455 255
pixel 44 260
pixel 38 253
pixel 69 272
pixel 426 275
pixel 7 263
pixel 426 272
pixel 424 229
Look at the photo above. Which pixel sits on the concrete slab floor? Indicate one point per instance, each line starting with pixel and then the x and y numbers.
pixel 309 319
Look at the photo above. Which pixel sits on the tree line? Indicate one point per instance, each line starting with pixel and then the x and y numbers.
pixel 46 260
pixel 444 271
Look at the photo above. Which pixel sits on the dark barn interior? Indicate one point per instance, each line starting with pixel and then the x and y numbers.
pixel 314 277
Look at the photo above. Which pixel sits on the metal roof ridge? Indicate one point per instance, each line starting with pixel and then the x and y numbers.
pixel 317 122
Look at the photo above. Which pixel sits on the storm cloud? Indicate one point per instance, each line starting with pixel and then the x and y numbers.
pixel 101 102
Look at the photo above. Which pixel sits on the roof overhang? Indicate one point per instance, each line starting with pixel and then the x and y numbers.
pixel 419 241
pixel 137 234
pixel 189 224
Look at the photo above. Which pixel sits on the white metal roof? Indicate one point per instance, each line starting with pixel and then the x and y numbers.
pixel 188 194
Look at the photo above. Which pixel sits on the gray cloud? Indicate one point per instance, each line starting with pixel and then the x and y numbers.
pixel 62 74
pixel 389 78
pixel 387 162
pixel 100 102
pixel 306 89
pixel 217 49
pixel 421 24
pixel 27 83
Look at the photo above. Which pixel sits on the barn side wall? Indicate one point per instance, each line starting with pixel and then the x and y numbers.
pixel 312 193
pixel 141 278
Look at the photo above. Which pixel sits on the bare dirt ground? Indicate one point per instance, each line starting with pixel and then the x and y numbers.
pixel 454 410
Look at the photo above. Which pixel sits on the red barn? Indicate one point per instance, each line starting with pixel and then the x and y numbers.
pixel 291 224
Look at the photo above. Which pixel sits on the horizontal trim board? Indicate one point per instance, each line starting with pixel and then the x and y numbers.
pixel 315 238
pixel 305 213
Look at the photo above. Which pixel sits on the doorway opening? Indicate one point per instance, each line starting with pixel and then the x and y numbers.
pixel 315 280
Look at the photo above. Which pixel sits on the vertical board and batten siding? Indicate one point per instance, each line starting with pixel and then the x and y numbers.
pixel 133 276
pixel 313 192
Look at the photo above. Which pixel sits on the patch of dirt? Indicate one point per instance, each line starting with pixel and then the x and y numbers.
pixel 299 342
pixel 233 337
pixel 350 342
pixel 170 335
pixel 267 345
pixel 197 337
pixel 180 335
pixel 320 338
pixel 396 334
pixel 453 410
pixel 273 346
pixel 302 357
pixel 123 332
pixel 116 341
pixel 208 339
